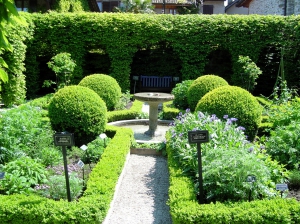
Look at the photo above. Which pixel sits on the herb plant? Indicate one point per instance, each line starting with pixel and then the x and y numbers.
pixel 228 158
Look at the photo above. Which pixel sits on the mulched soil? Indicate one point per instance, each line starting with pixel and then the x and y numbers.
pixel 294 194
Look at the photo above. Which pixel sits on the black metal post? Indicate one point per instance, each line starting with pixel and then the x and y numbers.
pixel 201 193
pixel 64 151
pixel 164 3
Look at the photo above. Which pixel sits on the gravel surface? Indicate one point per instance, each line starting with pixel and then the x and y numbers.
pixel 142 192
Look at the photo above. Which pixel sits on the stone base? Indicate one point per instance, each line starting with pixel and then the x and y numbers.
pixel 153 133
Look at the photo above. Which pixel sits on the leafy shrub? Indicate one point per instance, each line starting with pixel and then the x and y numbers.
pixel 25 132
pixel 56 187
pixel 180 94
pixel 95 150
pixel 21 175
pixel 285 113
pixel 78 110
pixel 201 86
pixel 63 67
pixel 284 144
pixel 248 73
pixel 234 102
pixel 123 101
pixel 105 86
pixel 227 159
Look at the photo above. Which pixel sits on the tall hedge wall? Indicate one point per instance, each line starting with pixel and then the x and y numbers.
pixel 191 37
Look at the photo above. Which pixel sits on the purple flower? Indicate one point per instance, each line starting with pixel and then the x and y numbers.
pixel 225 117
pixel 233 119
pixel 228 122
pixel 200 115
pixel 213 117
pixel 240 128
pixel 180 135
pixel 251 149
pixel 174 135
pixel 195 129
pixel 188 110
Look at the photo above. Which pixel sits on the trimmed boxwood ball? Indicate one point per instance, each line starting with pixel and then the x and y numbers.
pixel 235 102
pixel 201 86
pixel 105 86
pixel 78 110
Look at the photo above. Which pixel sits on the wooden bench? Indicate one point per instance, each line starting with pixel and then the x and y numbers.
pixel 155 83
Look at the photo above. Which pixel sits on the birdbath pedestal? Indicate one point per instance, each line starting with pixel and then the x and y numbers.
pixel 153 99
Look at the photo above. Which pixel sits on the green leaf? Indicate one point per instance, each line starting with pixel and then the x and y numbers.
pixel 3 75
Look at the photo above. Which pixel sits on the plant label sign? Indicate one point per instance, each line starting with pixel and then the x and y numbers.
pixel 64 139
pixel 2 174
pixel 198 136
pixel 281 187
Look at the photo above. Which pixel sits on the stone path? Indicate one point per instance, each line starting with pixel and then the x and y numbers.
pixel 142 192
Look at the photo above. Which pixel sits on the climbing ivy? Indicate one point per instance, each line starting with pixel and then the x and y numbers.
pixel 192 38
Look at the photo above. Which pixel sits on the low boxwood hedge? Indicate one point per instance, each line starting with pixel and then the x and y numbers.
pixel 92 207
pixel 184 207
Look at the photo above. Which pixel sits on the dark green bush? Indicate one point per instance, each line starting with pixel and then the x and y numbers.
pixel 78 110
pixel 180 94
pixel 234 102
pixel 105 86
pixel 294 179
pixel 201 86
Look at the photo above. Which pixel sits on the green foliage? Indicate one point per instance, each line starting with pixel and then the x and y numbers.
pixel 248 73
pixel 63 67
pixel 294 179
pixel 201 86
pixel 92 207
pixel 131 113
pixel 168 111
pixel 180 94
pixel 284 144
pixel 184 207
pixel 227 159
pixel 71 6
pixel 95 150
pixel 42 102
pixel 25 132
pixel 8 16
pixel 21 175
pixel 182 35
pixel 234 102
pixel 123 101
pixel 105 86
pixel 78 110
pixel 56 187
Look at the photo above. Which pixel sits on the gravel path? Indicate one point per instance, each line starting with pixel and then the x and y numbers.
pixel 142 192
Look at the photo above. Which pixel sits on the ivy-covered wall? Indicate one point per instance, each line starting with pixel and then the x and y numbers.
pixel 192 39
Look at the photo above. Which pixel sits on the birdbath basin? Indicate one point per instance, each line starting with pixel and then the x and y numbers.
pixel 153 99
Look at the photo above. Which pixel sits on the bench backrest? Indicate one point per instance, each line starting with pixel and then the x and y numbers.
pixel 156 81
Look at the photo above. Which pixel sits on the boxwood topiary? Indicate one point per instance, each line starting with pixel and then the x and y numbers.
pixel 78 110
pixel 105 86
pixel 236 103
pixel 201 86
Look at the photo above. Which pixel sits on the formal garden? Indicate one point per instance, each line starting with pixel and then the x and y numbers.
pixel 74 73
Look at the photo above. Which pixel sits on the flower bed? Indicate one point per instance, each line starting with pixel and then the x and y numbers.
pixel 91 207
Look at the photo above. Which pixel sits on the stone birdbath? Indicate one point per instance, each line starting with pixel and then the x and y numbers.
pixel 153 99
